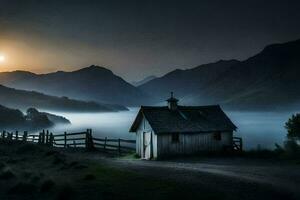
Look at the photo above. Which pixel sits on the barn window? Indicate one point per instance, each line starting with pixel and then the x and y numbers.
pixel 175 137
pixel 217 135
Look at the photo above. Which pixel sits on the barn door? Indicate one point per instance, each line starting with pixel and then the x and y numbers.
pixel 147 145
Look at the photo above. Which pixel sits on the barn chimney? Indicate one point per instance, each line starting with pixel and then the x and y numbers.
pixel 172 102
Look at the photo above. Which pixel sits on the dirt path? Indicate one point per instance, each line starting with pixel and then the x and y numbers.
pixel 249 178
pixel 29 171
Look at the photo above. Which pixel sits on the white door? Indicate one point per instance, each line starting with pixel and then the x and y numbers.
pixel 147 145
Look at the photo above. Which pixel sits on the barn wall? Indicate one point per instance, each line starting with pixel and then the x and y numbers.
pixel 191 143
pixel 145 127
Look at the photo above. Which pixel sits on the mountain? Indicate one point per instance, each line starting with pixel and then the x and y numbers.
pixel 143 81
pixel 33 114
pixel 92 83
pixel 268 80
pixel 22 99
pixel 185 82
pixel 10 117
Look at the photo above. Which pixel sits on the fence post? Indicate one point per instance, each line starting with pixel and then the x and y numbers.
pixel 119 146
pixel 33 137
pixel 87 139
pixel 43 137
pixel 47 137
pixel 40 138
pixel 105 143
pixel 17 135
pixel 65 139
pixel 25 136
pixel 51 139
pixel 74 144
pixel 3 134
pixel 91 139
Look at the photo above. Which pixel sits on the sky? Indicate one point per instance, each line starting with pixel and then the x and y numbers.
pixel 136 39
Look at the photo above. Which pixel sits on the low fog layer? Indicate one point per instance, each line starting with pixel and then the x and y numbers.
pixel 262 129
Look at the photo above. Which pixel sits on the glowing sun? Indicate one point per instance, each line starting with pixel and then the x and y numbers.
pixel 2 58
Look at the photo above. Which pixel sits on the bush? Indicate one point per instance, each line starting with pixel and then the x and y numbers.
pixel 292 148
pixel 293 126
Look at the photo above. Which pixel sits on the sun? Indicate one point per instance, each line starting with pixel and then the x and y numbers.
pixel 2 58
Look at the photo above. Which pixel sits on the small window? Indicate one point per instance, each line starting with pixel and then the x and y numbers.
pixel 175 137
pixel 218 135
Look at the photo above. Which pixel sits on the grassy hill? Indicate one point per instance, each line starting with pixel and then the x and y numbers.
pixel 22 99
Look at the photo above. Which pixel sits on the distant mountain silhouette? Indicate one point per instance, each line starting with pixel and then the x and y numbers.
pixel 143 81
pixel 22 99
pixel 186 82
pixel 93 83
pixel 268 80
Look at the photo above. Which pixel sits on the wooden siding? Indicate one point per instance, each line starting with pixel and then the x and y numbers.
pixel 191 143
pixel 162 144
pixel 145 127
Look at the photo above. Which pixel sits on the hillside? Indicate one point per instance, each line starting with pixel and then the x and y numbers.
pixel 143 81
pixel 92 83
pixel 22 99
pixel 12 119
pixel 186 83
pixel 268 80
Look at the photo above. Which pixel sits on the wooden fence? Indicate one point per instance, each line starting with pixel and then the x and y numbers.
pixel 73 140
pixel 237 144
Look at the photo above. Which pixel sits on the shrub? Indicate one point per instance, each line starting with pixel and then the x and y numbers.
pixel 292 148
pixel 293 126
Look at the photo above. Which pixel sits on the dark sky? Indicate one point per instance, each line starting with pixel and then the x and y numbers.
pixel 139 38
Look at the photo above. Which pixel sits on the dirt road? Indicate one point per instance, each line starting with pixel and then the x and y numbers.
pixel 247 178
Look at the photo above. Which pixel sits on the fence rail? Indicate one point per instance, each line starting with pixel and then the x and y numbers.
pixel 73 140
pixel 237 143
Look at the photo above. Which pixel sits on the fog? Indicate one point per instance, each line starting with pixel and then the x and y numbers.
pixel 262 129
pixel 104 124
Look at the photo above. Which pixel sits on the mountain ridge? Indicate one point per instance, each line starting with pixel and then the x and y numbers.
pixel 267 80
pixel 22 99
pixel 143 81
pixel 93 83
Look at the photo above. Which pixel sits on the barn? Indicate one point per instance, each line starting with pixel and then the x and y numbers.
pixel 181 130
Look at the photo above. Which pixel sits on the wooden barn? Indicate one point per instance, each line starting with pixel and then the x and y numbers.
pixel 181 130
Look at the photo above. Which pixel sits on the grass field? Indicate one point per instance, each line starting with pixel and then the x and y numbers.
pixel 29 171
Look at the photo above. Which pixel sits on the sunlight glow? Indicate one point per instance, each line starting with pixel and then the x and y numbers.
pixel 2 58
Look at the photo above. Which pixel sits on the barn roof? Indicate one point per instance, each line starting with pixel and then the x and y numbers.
pixel 185 119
